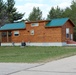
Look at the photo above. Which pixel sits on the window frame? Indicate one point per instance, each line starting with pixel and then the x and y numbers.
pixel 67 32
pixel 4 34
pixel 32 32
pixel 16 33
pixel 34 24
pixel 67 35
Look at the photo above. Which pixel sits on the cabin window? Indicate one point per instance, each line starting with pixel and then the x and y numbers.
pixel 16 33
pixel 67 32
pixel 32 32
pixel 34 24
pixel 4 34
pixel 67 35
pixel 9 33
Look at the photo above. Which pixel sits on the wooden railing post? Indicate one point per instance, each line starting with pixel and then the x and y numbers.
pixel 0 37
pixel 7 37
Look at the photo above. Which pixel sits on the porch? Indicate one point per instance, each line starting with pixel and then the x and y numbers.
pixel 5 36
pixel 71 43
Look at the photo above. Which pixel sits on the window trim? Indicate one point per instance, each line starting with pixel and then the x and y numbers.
pixel 67 35
pixel 67 32
pixel 34 24
pixel 16 33
pixel 4 34
pixel 32 32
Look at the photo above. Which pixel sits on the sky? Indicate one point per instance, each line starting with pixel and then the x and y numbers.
pixel 26 6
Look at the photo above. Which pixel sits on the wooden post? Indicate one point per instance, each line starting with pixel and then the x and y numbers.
pixel 7 37
pixel 0 37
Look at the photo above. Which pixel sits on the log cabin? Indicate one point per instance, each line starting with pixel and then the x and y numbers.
pixel 55 32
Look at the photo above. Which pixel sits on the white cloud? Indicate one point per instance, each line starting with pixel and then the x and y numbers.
pixel 27 8
pixel 61 1
pixel 45 8
pixel 64 5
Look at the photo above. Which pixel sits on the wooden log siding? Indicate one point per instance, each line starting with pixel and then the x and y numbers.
pixel 43 34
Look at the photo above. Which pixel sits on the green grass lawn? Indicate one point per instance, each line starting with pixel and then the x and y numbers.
pixel 34 54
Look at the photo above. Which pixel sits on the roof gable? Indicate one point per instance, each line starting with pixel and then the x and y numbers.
pixel 57 22
pixel 20 25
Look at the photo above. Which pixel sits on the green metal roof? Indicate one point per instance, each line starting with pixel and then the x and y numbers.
pixel 57 22
pixel 20 25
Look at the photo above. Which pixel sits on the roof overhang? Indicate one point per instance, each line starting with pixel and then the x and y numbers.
pixel 13 26
pixel 72 23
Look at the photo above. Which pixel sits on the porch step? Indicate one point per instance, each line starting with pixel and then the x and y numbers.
pixel 71 42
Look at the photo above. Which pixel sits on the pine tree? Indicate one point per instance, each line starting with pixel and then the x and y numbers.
pixel 8 13
pixel 55 13
pixel 51 14
pixel 35 15
pixel 12 14
pixel 73 11
pixel 2 13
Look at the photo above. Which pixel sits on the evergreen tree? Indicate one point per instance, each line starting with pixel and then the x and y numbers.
pixel 72 16
pixel 8 13
pixel 12 14
pixel 73 11
pixel 59 12
pixel 55 13
pixel 67 12
pixel 51 14
pixel 35 15
pixel 2 13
